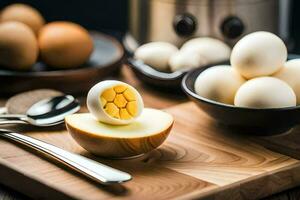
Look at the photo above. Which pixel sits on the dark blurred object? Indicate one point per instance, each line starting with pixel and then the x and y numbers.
pixel 110 16
pixel 104 15
pixel 176 21
pixel 295 28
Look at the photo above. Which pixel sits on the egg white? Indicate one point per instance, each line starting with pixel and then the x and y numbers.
pixel 96 109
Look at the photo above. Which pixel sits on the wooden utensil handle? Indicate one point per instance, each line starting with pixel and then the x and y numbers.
pixel 90 168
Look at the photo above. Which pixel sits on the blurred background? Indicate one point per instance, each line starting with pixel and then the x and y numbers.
pixel 105 15
pixel 111 16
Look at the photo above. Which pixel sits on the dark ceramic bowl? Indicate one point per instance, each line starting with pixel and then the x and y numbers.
pixel 164 80
pixel 154 77
pixel 168 81
pixel 105 61
pixel 252 121
pixel 147 74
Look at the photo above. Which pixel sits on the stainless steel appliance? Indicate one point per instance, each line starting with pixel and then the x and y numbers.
pixel 176 21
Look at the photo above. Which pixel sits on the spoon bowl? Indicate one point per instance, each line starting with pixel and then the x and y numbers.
pixel 20 103
pixel 47 112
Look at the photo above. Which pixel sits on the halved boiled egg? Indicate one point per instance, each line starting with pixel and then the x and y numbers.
pixel 144 134
pixel 114 102
pixel 111 104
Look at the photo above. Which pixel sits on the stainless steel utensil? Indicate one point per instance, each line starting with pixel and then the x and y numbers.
pixel 47 112
pixel 96 171
pixel 21 102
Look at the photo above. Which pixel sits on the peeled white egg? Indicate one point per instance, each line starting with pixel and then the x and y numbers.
pixel 186 60
pixel 290 73
pixel 114 102
pixel 156 54
pixel 265 92
pixel 258 54
pixel 212 50
pixel 219 83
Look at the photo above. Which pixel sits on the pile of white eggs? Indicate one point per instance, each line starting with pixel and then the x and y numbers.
pixel 197 52
pixel 259 76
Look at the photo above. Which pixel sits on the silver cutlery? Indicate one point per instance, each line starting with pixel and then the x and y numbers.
pixel 47 112
pixel 94 170
pixel 20 103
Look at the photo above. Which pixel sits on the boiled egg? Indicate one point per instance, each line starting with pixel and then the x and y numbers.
pixel 184 60
pixel 18 46
pixel 265 92
pixel 211 49
pixel 118 125
pixel 156 54
pixel 258 54
pixel 219 83
pixel 25 14
pixel 114 102
pixel 290 73
pixel 144 134
pixel 64 44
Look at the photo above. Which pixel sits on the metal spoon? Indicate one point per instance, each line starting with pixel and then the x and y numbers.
pixel 20 103
pixel 47 112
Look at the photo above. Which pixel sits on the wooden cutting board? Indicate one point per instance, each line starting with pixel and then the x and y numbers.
pixel 200 159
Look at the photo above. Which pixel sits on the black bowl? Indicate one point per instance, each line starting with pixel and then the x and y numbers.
pixel 168 81
pixel 270 121
pixel 154 77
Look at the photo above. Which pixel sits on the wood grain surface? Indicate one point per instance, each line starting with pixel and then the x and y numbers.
pixel 198 160
pixel 183 167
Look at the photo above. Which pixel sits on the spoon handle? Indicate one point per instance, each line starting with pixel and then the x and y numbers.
pixel 13 119
pixel 3 110
pixel 12 116
pixel 94 170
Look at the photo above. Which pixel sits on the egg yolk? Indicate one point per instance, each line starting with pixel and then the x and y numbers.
pixel 119 102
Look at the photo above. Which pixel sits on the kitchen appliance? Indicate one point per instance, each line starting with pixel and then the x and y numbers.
pixel 176 21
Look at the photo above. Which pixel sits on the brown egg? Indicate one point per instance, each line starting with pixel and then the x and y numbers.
pixel 18 46
pixel 64 44
pixel 25 14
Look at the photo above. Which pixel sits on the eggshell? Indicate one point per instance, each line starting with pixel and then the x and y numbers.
pixel 64 44
pixel 212 50
pixel 290 73
pixel 219 83
pixel 25 14
pixel 265 92
pixel 18 46
pixel 258 54
pixel 96 109
pixel 156 54
pixel 183 60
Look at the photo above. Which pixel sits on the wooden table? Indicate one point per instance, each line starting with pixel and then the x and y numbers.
pixel 156 99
